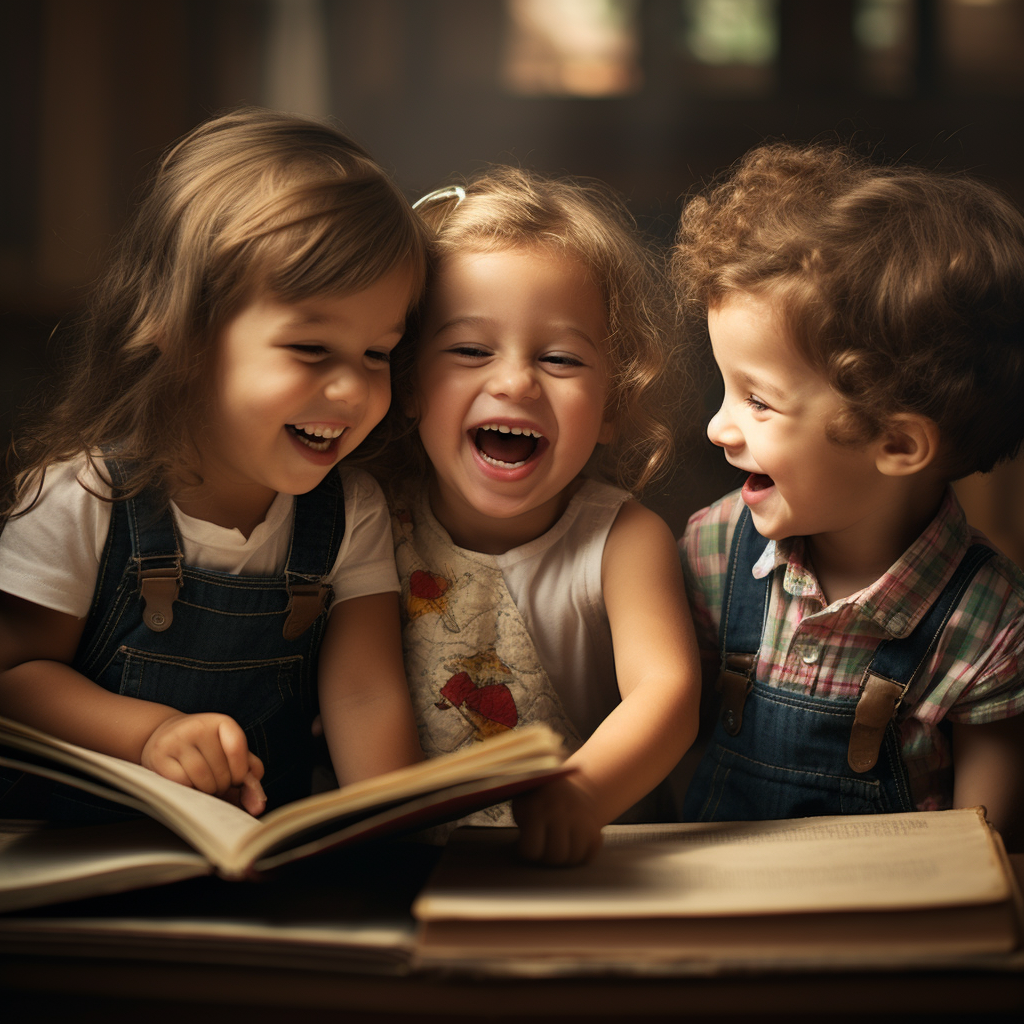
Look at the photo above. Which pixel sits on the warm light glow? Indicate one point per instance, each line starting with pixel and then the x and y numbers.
pixel 732 31
pixel 572 48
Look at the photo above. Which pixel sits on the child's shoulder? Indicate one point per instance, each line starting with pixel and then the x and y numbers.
pixel 71 488
pixel 999 575
pixel 709 532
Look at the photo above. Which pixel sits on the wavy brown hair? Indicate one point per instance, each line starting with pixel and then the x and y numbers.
pixel 251 202
pixel 903 287
pixel 509 208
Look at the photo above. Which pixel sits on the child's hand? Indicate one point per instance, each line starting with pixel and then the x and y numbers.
pixel 207 752
pixel 558 823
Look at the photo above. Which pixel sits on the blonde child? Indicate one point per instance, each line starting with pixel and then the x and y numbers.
pixel 868 323
pixel 186 576
pixel 532 591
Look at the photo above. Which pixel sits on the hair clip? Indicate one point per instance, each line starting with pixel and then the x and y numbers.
pixel 449 192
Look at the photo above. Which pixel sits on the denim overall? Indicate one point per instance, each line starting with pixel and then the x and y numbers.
pixel 777 754
pixel 201 640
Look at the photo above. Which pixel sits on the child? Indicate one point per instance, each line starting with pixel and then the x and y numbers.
pixel 182 544
pixel 534 592
pixel 869 326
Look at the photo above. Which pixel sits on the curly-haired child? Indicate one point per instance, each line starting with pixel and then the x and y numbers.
pixel 868 323
pixel 532 590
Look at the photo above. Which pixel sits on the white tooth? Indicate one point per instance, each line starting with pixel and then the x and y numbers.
pixel 500 464
pixel 505 430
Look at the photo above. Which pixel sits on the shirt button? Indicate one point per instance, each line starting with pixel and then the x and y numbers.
pixel 897 624
pixel 810 655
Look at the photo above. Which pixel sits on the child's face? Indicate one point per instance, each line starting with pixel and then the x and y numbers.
pixel 511 385
pixel 772 425
pixel 298 386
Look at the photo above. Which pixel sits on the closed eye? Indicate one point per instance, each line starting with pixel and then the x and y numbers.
pixel 311 351
pixel 469 351
pixel 562 359
pixel 378 356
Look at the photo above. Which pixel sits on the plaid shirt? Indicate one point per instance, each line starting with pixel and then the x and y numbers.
pixel 974 675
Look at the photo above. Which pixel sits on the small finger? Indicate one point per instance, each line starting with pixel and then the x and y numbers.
pixel 557 848
pixel 254 800
pixel 170 768
pixel 235 748
pixel 255 766
pixel 201 774
pixel 531 841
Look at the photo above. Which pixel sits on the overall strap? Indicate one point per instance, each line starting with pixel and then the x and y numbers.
pixel 318 526
pixel 156 552
pixel 744 610
pixel 897 662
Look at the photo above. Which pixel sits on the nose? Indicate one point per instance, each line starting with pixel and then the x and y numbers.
pixel 514 379
pixel 346 383
pixel 722 430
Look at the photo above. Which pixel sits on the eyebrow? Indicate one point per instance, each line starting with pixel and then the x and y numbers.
pixel 319 320
pixel 758 384
pixel 483 321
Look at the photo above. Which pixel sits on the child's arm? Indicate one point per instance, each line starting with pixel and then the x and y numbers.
pixel 658 671
pixel 364 698
pixel 988 762
pixel 39 687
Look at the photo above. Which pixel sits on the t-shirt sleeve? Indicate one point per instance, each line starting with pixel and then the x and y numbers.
pixel 366 559
pixel 51 554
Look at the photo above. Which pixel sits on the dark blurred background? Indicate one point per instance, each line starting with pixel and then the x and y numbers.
pixel 654 96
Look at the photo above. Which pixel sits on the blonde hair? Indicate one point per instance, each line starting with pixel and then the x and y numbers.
pixel 509 208
pixel 903 287
pixel 252 201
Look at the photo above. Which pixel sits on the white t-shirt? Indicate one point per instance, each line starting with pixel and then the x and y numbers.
pixel 51 555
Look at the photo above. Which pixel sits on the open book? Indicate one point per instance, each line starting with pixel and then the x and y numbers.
pixel 873 890
pixel 40 866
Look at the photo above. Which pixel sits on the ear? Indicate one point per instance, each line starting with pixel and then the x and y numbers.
pixel 607 432
pixel 909 443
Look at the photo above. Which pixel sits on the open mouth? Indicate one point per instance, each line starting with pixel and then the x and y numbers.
pixel 759 482
pixel 319 439
pixel 506 447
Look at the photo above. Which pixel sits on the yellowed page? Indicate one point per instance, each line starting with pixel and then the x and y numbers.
pixel 50 865
pixel 532 749
pixel 214 827
pixel 926 859
pixel 231 838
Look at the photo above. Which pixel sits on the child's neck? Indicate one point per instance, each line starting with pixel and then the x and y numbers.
pixel 474 530
pixel 848 562
pixel 239 509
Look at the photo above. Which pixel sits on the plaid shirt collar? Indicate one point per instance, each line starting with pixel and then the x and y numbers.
pixel 900 598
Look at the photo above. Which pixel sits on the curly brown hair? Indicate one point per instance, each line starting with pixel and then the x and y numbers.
pixel 902 286
pixel 251 201
pixel 509 208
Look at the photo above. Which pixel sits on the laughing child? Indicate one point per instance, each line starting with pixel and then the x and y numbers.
pixel 868 323
pixel 532 590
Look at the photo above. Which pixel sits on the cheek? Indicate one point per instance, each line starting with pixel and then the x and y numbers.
pixel 380 398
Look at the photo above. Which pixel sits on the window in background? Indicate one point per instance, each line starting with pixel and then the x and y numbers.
pixel 585 48
pixel 886 34
pixel 730 47
pixel 980 43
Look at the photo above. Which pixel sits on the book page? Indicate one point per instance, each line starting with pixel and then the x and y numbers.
pixel 534 749
pixel 232 839
pixel 863 862
pixel 213 826
pixel 48 865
